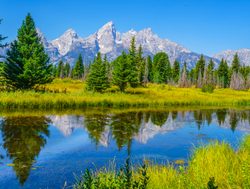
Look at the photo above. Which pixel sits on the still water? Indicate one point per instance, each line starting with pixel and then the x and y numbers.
pixel 47 151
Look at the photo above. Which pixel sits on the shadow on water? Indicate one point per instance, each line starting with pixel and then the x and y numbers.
pixel 23 137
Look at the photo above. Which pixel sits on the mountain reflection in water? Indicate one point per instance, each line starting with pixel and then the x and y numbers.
pixel 24 137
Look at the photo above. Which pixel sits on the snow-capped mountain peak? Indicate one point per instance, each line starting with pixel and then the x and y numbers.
pixel 111 43
pixel 244 55
pixel 65 41
pixel 106 38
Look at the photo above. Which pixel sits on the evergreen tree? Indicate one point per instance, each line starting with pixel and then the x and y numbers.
pixel 98 78
pixel 108 67
pixel 66 70
pixel 121 71
pixel 133 75
pixel 235 64
pixel 140 64
pixel 245 71
pixel 210 72
pixel 27 63
pixel 145 74
pixel 54 71
pixel 192 76
pixel 60 69
pixel 162 68
pixel 200 67
pixel 78 70
pixel 150 69
pixel 176 71
pixel 223 74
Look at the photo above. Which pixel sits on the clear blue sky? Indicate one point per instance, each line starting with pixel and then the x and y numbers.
pixel 204 26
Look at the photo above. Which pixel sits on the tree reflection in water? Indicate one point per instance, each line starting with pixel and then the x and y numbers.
pixel 23 139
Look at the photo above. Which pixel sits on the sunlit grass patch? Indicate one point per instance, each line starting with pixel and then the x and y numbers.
pixel 67 93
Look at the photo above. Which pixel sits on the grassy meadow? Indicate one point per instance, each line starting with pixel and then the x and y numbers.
pixel 216 165
pixel 67 93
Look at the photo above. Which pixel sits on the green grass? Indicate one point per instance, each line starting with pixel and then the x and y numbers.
pixel 215 164
pixel 62 94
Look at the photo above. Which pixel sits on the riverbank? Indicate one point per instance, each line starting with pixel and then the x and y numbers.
pixel 71 94
pixel 211 166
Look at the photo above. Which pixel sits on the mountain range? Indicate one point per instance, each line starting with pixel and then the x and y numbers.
pixel 111 43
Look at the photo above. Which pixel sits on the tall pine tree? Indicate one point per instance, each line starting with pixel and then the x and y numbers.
pixel 121 71
pixel 59 72
pixel 176 71
pixel 67 70
pixel 141 64
pixel 150 69
pixel 78 70
pixel 210 72
pixel 161 68
pixel 200 67
pixel 236 64
pixel 223 74
pixel 98 77
pixel 27 63
pixel 133 76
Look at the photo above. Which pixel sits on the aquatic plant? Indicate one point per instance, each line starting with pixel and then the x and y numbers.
pixel 216 165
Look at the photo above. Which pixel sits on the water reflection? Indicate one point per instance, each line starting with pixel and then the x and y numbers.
pixel 23 139
pixel 124 127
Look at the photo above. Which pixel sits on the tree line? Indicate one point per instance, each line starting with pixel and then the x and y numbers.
pixel 27 65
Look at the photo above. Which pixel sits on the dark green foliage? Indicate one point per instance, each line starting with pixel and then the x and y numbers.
pixel 192 76
pixel 176 71
pixel 235 64
pixel 95 124
pixel 128 174
pixel 27 63
pixel 108 68
pixel 121 71
pixel 144 178
pixel 23 139
pixel 60 71
pixel 122 179
pixel 129 124
pixel 98 77
pixel 245 71
pixel 211 184
pixel 86 181
pixel 159 118
pixel 223 74
pixel 133 78
pixel 140 65
pixel 54 71
pixel 78 70
pixel 66 70
pixel 210 72
pixel 161 68
pixel 200 67
pixel 207 88
pixel 150 69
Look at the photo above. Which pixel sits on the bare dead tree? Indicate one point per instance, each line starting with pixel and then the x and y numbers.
pixel 199 81
pixel 183 81
pixel 237 81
